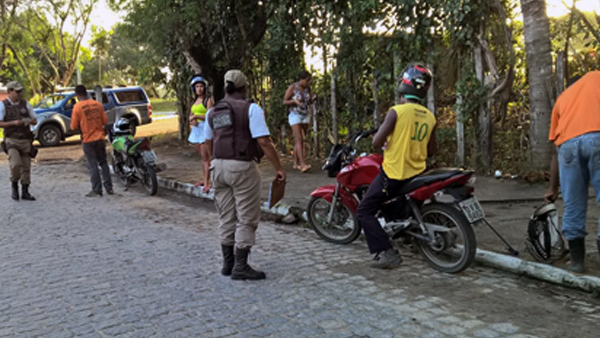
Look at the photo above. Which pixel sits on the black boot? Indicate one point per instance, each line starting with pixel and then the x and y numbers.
pixel 228 259
pixel 577 248
pixel 25 195
pixel 15 191
pixel 241 269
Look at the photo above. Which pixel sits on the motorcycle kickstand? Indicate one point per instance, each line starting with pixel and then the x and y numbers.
pixel 508 246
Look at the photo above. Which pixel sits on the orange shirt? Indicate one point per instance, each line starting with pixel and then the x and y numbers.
pixel 577 110
pixel 89 116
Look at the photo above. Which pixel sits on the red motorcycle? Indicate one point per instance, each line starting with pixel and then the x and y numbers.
pixel 434 212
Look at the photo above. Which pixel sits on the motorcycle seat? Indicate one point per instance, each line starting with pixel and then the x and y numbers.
pixel 429 177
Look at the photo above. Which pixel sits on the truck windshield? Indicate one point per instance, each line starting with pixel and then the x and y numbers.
pixel 51 101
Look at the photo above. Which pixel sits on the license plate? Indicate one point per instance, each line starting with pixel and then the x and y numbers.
pixel 472 209
pixel 149 156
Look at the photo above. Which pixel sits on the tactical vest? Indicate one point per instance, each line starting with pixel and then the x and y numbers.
pixel 230 123
pixel 13 113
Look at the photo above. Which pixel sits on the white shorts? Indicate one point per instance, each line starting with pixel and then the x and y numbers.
pixel 295 118
pixel 197 134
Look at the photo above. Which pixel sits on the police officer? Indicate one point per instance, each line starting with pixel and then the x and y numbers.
pixel 238 136
pixel 16 115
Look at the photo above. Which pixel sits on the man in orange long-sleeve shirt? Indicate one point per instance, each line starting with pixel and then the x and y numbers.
pixel 89 116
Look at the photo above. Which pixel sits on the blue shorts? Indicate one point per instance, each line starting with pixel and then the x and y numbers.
pixel 295 118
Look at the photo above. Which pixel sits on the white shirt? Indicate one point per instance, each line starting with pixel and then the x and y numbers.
pixel 258 125
pixel 3 111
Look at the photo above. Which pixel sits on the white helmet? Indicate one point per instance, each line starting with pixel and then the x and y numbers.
pixel 544 240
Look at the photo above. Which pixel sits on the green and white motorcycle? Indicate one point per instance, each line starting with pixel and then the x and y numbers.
pixel 132 159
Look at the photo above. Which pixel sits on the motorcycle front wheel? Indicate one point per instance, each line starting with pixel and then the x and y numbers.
pixel 343 228
pixel 149 179
pixel 453 248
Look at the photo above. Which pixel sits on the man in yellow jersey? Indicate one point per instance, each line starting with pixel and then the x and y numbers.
pixel 408 136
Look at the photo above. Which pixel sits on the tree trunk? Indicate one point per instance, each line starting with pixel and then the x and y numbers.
pixel 376 115
pixel 539 66
pixel 334 121
pixel 484 131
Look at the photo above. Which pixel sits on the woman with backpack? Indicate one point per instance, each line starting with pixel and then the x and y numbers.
pixel 297 98
pixel 202 103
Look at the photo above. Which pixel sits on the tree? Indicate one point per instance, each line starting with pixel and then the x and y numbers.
pixel 45 22
pixel 539 67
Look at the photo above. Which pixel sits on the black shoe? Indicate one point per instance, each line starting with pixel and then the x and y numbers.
pixel 25 195
pixel 93 194
pixel 388 259
pixel 228 259
pixel 241 269
pixel 577 248
pixel 110 192
pixel 15 191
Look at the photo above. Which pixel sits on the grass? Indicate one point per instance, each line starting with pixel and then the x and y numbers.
pixel 163 106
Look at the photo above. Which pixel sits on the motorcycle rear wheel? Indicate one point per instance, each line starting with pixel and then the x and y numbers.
pixel 149 180
pixel 343 229
pixel 455 250
pixel 118 169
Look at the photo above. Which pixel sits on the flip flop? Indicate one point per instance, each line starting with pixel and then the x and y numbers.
pixel 305 168
pixel 205 189
pixel 199 184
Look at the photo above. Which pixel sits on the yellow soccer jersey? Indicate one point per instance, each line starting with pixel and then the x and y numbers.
pixel 406 150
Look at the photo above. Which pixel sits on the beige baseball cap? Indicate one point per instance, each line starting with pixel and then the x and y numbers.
pixel 14 85
pixel 236 77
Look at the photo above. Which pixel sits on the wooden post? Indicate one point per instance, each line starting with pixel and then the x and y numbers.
pixel 560 73
pixel 376 115
pixel 460 134
pixel 334 121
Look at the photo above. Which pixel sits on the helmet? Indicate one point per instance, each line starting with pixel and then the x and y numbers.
pixel 198 79
pixel 121 125
pixel 414 81
pixel 544 241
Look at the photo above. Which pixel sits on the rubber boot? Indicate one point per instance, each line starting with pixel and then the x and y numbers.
pixel 15 191
pixel 25 194
pixel 241 269
pixel 577 248
pixel 228 259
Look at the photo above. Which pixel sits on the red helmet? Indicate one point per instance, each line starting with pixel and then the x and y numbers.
pixel 414 81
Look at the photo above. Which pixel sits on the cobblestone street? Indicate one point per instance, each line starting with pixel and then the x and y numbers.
pixel 135 266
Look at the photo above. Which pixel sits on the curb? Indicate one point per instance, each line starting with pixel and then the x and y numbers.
pixel 507 263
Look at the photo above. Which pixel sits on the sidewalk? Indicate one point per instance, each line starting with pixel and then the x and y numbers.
pixel 508 205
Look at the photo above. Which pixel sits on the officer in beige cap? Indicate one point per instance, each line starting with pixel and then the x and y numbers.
pixel 238 136
pixel 16 117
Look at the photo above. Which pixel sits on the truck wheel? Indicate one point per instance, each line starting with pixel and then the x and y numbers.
pixel 49 135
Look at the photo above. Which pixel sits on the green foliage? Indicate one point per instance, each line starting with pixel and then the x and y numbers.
pixel 472 92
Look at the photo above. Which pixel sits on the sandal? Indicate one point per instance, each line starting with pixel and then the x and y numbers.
pixel 305 168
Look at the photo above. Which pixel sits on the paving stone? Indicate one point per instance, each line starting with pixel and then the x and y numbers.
pixel 133 266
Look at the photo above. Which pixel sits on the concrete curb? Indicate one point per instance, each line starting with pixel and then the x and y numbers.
pixel 508 263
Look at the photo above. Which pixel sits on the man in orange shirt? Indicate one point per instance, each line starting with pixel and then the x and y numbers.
pixel 89 116
pixel 575 130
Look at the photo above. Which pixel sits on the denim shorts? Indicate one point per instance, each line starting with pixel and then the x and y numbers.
pixel 295 118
